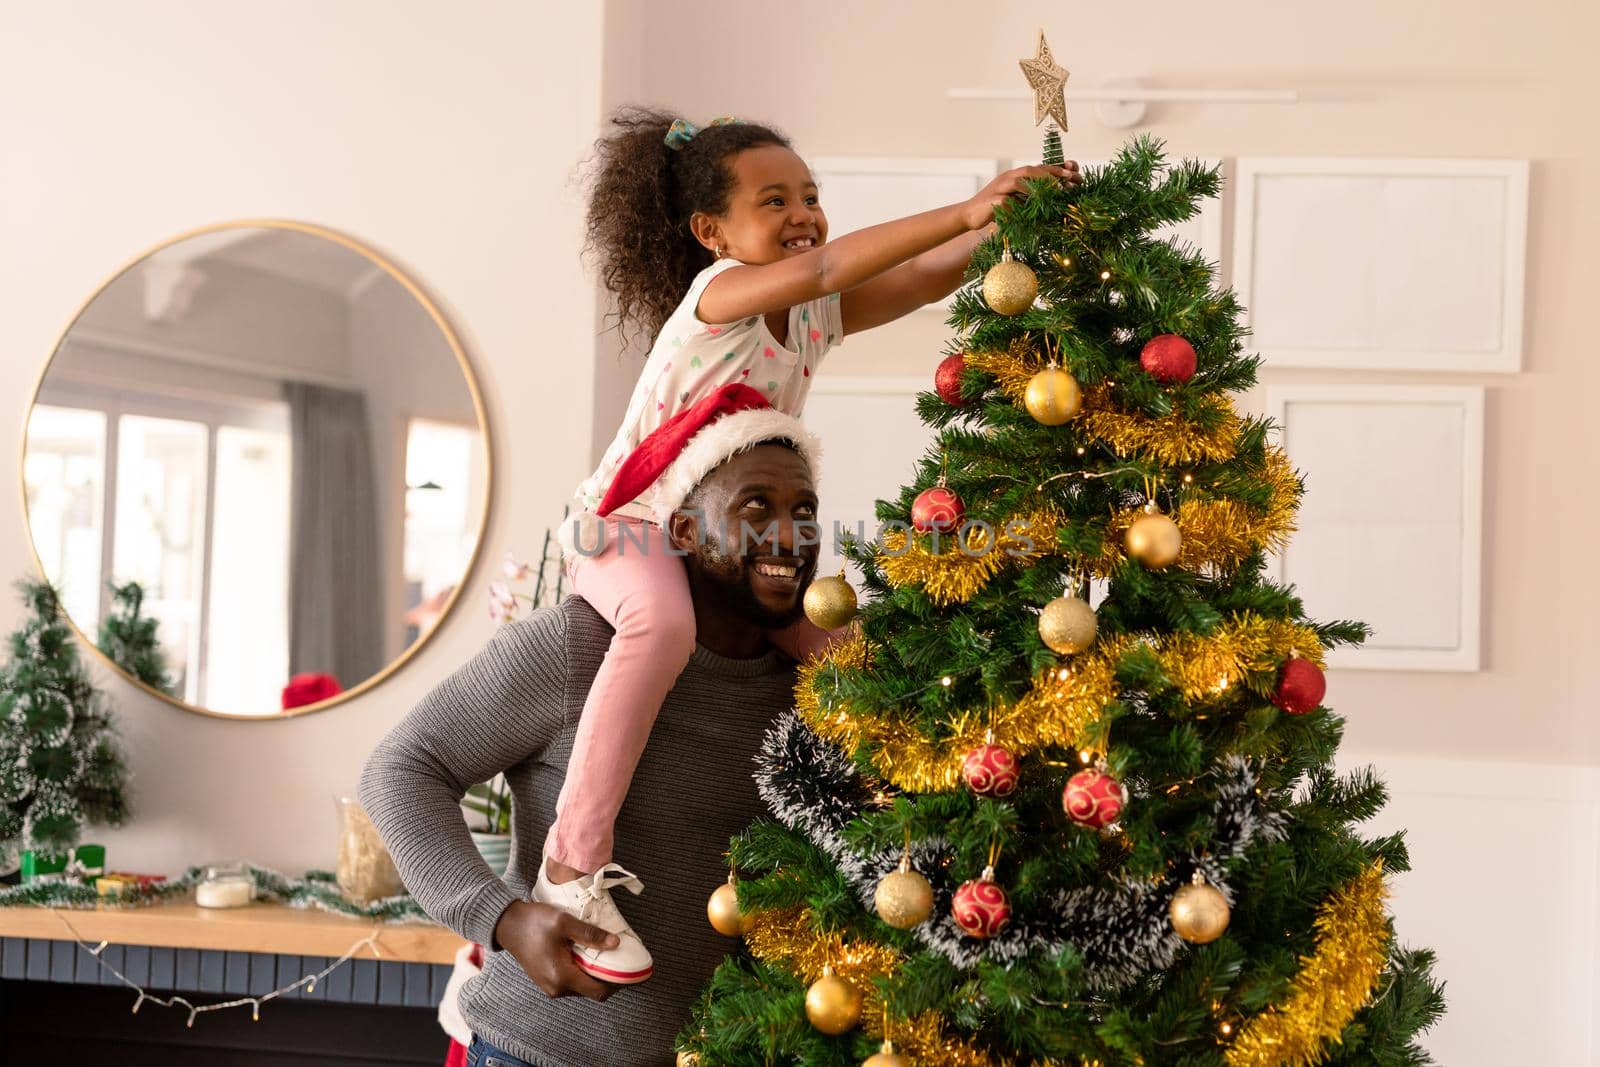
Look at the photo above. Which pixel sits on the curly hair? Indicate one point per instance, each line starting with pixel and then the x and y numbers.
pixel 642 194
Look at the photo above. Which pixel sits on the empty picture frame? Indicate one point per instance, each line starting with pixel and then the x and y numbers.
pixel 1203 232
pixel 1390 529
pixel 873 440
pixel 1383 264
pixel 862 191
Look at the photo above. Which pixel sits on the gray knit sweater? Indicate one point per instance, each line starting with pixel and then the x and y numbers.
pixel 514 707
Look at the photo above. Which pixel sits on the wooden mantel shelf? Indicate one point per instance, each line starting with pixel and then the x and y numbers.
pixel 260 927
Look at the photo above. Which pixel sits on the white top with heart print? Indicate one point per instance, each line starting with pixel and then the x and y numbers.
pixel 691 359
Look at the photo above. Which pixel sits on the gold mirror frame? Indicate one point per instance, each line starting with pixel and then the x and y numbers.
pixel 462 362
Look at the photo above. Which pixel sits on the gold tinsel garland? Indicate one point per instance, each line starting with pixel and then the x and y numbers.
pixel 957 574
pixel 786 936
pixel 1217 535
pixel 1171 440
pixel 1334 983
pixel 1059 711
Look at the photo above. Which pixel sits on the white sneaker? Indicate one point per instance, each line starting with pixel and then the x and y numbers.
pixel 589 898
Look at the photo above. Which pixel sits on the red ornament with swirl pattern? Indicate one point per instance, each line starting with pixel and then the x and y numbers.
pixel 980 907
pixel 937 509
pixel 1093 798
pixel 947 379
pixel 990 771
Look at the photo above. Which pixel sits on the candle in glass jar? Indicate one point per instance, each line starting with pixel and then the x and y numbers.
pixel 225 887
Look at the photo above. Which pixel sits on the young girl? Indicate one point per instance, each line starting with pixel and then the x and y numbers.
pixel 714 242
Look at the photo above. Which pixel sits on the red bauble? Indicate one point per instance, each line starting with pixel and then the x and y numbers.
pixel 1093 798
pixel 980 908
pixel 1301 686
pixel 937 509
pixel 947 379
pixel 1168 358
pixel 990 771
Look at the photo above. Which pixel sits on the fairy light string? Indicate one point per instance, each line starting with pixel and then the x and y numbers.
pixel 309 981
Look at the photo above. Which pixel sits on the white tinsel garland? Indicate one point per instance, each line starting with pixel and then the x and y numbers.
pixel 1121 931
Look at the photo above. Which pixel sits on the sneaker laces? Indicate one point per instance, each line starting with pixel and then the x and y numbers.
pixel 598 886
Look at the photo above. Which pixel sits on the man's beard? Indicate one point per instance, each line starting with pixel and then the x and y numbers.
pixel 729 577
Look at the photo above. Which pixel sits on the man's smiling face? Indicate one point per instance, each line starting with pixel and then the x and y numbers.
pixel 756 539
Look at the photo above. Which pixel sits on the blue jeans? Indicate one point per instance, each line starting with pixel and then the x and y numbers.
pixel 482 1054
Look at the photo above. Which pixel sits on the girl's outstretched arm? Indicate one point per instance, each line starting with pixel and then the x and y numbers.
pixel 856 258
pixel 930 277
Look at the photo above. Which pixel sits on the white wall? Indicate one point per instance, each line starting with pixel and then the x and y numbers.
pixel 441 137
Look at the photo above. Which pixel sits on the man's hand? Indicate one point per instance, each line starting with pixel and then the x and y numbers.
pixel 540 938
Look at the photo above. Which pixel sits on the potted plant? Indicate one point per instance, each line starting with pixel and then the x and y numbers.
pixel 492 801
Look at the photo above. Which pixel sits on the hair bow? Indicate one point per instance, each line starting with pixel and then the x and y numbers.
pixel 682 131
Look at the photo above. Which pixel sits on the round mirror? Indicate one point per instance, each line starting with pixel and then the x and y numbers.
pixel 257 469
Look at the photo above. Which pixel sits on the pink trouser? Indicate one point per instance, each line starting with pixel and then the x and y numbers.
pixel 644 594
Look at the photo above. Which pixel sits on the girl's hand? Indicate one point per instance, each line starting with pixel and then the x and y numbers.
pixel 979 211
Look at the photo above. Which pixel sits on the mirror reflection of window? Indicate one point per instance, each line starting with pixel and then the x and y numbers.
pixel 247 620
pixel 158 531
pixel 443 464
pixel 64 476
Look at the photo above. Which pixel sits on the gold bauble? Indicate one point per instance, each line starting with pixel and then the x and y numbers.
pixel 1153 539
pixel 688 1059
pixel 1053 396
pixel 904 898
pixel 886 1057
pixel 1199 912
pixel 832 1004
pixel 1010 287
pixel 830 602
pixel 723 911
pixel 1067 625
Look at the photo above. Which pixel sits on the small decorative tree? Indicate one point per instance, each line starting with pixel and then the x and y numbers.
pixel 128 638
pixel 61 766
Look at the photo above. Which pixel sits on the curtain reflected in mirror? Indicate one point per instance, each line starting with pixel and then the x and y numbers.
pixel 271 435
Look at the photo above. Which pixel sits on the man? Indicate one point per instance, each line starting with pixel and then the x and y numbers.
pixel 514 708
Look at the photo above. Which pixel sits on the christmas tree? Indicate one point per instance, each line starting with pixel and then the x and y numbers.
pixel 128 638
pixel 1012 828
pixel 60 764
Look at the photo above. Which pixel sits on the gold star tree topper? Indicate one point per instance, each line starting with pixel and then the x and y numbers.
pixel 1049 85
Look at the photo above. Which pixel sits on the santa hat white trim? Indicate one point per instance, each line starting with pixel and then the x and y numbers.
pixel 719 442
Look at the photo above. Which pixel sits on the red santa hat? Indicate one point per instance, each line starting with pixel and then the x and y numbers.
pixel 679 453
